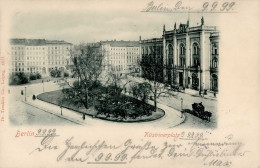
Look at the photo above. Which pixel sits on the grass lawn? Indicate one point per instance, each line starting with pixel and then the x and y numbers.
pixel 55 97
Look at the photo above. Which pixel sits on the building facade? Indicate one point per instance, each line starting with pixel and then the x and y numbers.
pixel 190 56
pixel 39 55
pixel 121 57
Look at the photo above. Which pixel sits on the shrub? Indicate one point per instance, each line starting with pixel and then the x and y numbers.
pixel 53 73
pixel 33 76
pixel 38 75
pixel 66 74
pixel 58 73
pixel 18 78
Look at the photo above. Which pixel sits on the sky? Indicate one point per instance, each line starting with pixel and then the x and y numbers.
pixel 99 21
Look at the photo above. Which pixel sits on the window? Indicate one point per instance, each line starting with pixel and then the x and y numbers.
pixel 170 54
pixel 214 49
pixel 195 49
pixel 215 62
pixel 182 48
pixel 182 62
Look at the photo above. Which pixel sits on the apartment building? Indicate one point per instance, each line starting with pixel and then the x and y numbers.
pixel 39 55
pixel 121 56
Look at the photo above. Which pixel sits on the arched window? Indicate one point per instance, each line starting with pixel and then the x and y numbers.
pixel 196 55
pixel 195 49
pixel 170 54
pixel 182 55
pixel 215 62
pixel 182 61
pixel 182 49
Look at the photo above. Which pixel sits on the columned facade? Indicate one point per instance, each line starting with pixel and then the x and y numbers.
pixel 190 56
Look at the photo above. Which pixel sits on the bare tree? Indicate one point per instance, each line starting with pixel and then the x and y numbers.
pixel 152 71
pixel 87 67
pixel 116 83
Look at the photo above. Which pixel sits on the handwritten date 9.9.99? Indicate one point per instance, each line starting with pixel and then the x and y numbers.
pixel 218 6
pixel 120 157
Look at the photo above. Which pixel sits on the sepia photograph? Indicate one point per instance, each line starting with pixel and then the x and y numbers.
pixel 128 83
pixel 68 69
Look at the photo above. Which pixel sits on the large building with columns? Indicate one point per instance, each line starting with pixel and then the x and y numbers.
pixel 190 56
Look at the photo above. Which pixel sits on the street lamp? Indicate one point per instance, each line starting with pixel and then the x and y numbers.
pixel 60 110
pixel 181 107
pixel 42 85
pixel 25 94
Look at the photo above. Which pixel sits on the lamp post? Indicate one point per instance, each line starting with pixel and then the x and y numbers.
pixel 60 110
pixel 181 107
pixel 25 94
pixel 42 85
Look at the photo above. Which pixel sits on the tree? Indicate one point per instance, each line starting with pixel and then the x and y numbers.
pixel 66 74
pixel 152 69
pixel 141 90
pixel 53 73
pixel 38 75
pixel 18 78
pixel 58 73
pixel 116 84
pixel 33 77
pixel 87 67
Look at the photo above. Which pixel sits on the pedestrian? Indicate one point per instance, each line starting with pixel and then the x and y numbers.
pixel 83 116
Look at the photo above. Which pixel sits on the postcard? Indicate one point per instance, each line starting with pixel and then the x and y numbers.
pixel 120 83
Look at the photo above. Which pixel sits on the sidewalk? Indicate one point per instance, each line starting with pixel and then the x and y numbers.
pixel 56 110
pixel 195 93
pixel 191 92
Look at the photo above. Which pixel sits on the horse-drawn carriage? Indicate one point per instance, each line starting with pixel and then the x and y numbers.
pixel 199 111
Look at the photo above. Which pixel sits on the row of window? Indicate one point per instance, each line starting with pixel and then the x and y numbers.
pixel 39 58
pixel 58 63
pixel 196 62
pixel 40 48
pixel 123 57
pixel 35 63
pixel 123 49
pixel 124 61
pixel 120 53
pixel 18 58
pixel 17 53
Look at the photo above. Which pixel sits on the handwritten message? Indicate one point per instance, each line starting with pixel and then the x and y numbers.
pixel 184 6
pixel 180 146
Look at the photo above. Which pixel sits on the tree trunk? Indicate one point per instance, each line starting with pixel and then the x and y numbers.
pixel 86 99
pixel 155 100
pixel 155 103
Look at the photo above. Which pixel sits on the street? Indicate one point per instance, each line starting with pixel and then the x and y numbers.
pixel 23 114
